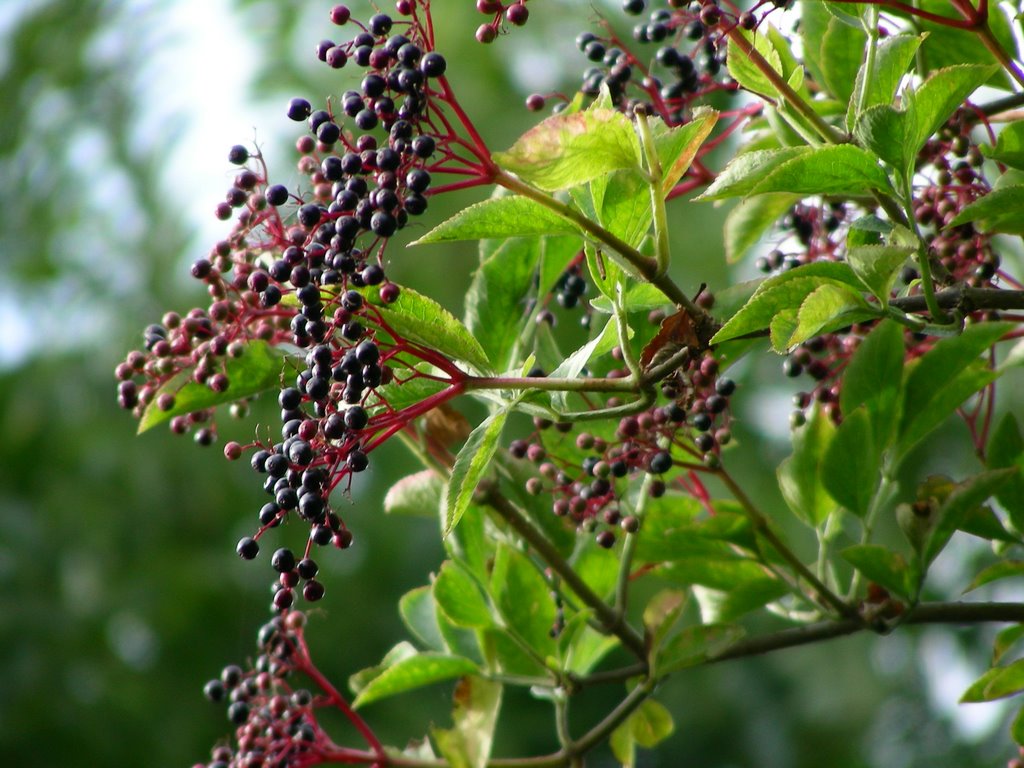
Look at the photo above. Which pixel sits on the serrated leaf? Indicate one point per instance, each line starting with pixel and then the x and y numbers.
pixel 508 216
pixel 1004 569
pixel 877 266
pixel 850 466
pixel 893 58
pixel 781 292
pixel 888 133
pixel 639 297
pixel 745 171
pixel 422 320
pixel 697 644
pixel 746 222
pixel 939 382
pixel 872 379
pixel 884 567
pixel 403 650
pixel 800 474
pixel 842 48
pixel 828 306
pixel 623 201
pixel 967 495
pixel 1009 148
pixel 833 169
pixel 257 370
pixel 524 599
pixel 496 303
pixel 1001 210
pixel 566 150
pixel 475 715
pixel 1006 449
pixel 419 614
pixel 677 146
pixel 946 45
pixel 867 230
pixel 941 95
pixel 470 465
pixel 416 494
pixel 414 672
pixel 459 598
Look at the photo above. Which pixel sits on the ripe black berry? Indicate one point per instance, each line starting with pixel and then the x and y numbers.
pixel 433 65
pixel 299 109
pixel 283 560
pixel 277 194
pixel 380 24
pixel 247 548
pixel 660 463
pixel 238 154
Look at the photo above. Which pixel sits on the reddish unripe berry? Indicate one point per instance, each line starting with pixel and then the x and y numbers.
pixel 535 102
pixel 232 451
pixel 486 33
pixel 517 14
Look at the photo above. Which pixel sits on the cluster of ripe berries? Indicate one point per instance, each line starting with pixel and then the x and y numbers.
pixel 686 65
pixel 298 269
pixel 275 722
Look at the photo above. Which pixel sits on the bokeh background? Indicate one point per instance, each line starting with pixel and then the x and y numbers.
pixel 120 594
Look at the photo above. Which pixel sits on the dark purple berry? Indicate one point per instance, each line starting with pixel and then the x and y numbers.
pixel 247 548
pixel 299 109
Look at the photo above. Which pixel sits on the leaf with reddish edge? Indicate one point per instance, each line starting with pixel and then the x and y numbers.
pixel 477 703
pixel 566 150
pixel 257 370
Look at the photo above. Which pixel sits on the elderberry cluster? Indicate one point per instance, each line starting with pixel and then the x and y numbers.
pixel 275 722
pixel 687 63
pixel 587 477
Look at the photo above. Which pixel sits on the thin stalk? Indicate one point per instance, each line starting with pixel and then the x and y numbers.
pixel 762 528
pixel 881 500
pixel 923 262
pixel 622 326
pixel 628 549
pixel 656 178
pixel 549 384
pixel 870 52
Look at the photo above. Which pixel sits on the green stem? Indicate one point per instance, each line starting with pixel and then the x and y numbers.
pixel 550 384
pixel 622 326
pixel 923 260
pixel 871 28
pixel 882 498
pixel 655 181
pixel 612 621
pixel 763 529
pixel 629 548
pixel 984 33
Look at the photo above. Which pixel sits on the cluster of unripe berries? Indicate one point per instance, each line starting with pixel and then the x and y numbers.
pixel 515 13
pixel 275 723
pixel 587 477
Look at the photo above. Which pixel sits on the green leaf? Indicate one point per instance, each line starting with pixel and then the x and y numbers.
pixel 661 614
pixel 524 599
pixel 718 606
pixel 842 48
pixel 459 597
pixel 882 566
pixel 867 230
pixel 877 266
pixel 872 379
pixel 1017 727
pixel 582 646
pixel 785 291
pixel 419 614
pixel 639 297
pixel 1001 210
pixel 850 466
pixel 404 650
pixel 623 201
pixel 414 672
pixel 417 494
pixel 574 364
pixel 800 475
pixel 829 306
pixel 958 506
pixel 566 150
pixel 256 370
pixel 470 466
pixel 598 567
pixel 1004 569
pixel 605 272
pixel 834 169
pixel 745 171
pixel 475 714
pixel 697 644
pixel 422 320
pixel 946 45
pixel 1005 640
pixel 1006 449
pixel 745 72
pixel 647 727
pixel 677 146
pixel 893 59
pixel 508 216
pixel 746 222
pixel 941 95
pixel 1009 148
pixel 996 683
pixel 940 381
pixel 496 303
pixel 468 543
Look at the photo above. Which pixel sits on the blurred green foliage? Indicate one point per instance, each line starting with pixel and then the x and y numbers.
pixel 119 590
